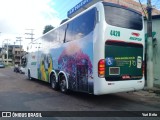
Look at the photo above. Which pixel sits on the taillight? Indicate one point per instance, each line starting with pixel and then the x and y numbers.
pixel 101 68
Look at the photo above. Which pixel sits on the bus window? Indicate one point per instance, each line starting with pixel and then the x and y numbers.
pixel 84 24
pixel 24 61
pixel 81 26
pixel 62 31
pixel 51 36
pixel 69 32
pixel 123 17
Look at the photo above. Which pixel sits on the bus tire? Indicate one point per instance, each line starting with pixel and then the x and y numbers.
pixel 63 84
pixel 29 75
pixel 54 84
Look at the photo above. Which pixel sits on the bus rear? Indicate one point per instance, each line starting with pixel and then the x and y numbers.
pixel 120 62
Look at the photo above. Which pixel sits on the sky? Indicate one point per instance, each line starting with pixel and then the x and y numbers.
pixel 18 15
pixel 155 3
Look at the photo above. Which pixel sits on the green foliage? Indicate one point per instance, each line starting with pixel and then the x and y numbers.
pixel 47 28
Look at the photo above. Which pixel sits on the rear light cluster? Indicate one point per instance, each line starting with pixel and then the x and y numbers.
pixel 101 68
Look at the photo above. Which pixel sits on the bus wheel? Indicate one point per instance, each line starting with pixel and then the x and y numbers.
pixel 29 75
pixel 54 84
pixel 63 85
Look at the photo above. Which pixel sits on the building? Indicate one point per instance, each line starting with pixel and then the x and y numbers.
pixel 18 53
pixel 3 54
pixel 15 52
pixel 0 54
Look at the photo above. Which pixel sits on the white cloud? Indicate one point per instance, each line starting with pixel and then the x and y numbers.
pixel 18 15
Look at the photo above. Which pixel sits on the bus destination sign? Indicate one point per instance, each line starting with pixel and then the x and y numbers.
pixel 77 7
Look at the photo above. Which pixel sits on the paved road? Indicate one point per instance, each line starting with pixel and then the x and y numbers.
pixel 19 94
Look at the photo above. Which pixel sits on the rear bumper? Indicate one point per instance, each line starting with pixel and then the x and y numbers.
pixel 106 87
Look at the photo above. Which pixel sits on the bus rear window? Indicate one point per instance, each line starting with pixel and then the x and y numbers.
pixel 123 17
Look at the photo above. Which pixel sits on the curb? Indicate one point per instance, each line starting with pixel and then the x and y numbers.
pixel 145 92
pixel 152 90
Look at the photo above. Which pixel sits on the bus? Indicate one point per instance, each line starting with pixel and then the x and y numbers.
pixel 99 51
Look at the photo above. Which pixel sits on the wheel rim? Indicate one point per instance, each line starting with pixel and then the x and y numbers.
pixel 63 85
pixel 53 81
pixel 29 75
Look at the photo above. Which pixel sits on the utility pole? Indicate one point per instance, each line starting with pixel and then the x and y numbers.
pixel 149 47
pixel 19 39
pixel 14 53
pixel 7 50
pixel 31 34
pixel 0 35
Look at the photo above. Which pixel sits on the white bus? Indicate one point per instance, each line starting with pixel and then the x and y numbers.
pixel 99 51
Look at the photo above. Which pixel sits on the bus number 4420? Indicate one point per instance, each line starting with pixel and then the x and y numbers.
pixel 115 33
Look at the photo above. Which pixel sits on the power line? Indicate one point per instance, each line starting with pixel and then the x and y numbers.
pixel 31 34
pixel 157 4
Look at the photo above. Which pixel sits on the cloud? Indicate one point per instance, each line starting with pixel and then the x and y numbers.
pixel 18 15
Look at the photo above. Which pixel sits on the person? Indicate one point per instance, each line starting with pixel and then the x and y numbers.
pixel 16 68
pixel 16 65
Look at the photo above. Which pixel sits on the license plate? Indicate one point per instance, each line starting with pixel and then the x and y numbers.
pixel 114 70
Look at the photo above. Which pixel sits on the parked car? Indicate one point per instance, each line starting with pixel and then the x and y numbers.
pixel 2 65
pixel 21 70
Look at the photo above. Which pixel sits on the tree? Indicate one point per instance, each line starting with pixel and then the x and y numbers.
pixel 64 20
pixel 47 28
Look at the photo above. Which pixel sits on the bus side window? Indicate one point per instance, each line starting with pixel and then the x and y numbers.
pixel 69 32
pixel 62 32
pixel 84 24
pixel 24 61
pixel 81 26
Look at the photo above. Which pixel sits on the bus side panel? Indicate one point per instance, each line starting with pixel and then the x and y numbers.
pixel 75 58
pixel 44 66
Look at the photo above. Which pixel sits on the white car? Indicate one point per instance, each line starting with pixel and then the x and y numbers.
pixel 2 65
pixel 21 70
